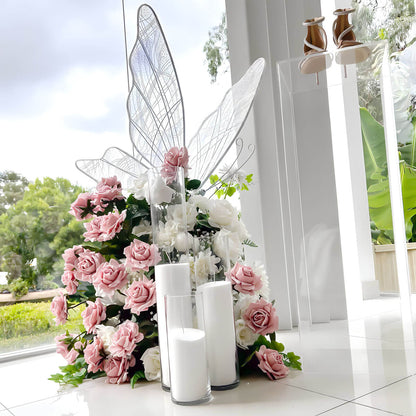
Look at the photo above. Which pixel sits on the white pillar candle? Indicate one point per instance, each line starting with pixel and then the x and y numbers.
pixel 188 365
pixel 219 328
pixel 171 279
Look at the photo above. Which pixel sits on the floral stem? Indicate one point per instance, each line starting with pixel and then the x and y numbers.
pixel 75 306
pixel 273 336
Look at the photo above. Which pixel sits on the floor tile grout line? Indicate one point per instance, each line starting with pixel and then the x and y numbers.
pixel 358 404
pixel 317 392
pixel 37 401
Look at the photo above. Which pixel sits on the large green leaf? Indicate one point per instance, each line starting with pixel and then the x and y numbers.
pixel 374 148
pixel 408 152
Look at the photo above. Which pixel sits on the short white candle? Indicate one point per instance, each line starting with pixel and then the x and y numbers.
pixel 219 328
pixel 188 365
pixel 171 279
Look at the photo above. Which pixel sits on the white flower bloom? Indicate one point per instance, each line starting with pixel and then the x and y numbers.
pixel 201 202
pixel 227 245
pixel 160 192
pixel 140 188
pixel 143 228
pixel 232 174
pixel 167 233
pixel 239 228
pixel 244 335
pixel 259 269
pixel 116 298
pixel 175 213
pixel 151 363
pixel 105 333
pixel 204 265
pixel 242 304
pixel 222 214
pixel 183 241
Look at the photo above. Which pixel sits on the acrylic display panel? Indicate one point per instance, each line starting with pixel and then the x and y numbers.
pixel 342 166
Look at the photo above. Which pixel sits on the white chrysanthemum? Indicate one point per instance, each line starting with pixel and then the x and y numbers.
pixel 105 333
pixel 222 214
pixel 151 363
pixel 227 245
pixel 244 335
pixel 204 265
pixel 175 213
pixel 167 234
pixel 243 301
pixel 259 269
pixel 140 188
pixel 143 228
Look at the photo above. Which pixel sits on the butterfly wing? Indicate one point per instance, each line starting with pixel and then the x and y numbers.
pixel 220 129
pixel 154 104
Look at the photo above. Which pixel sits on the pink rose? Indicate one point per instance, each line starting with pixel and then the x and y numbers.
pixel 110 276
pixel 117 369
pixel 59 309
pixel 261 317
pixel 94 355
pixel 70 256
pixel 125 339
pixel 174 158
pixel 141 295
pixel 108 190
pixel 92 315
pixel 79 205
pixel 140 255
pixel 271 363
pixel 62 348
pixel 105 227
pixel 244 279
pixel 70 281
pixel 87 265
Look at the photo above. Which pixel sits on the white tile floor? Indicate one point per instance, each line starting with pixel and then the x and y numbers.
pixel 362 367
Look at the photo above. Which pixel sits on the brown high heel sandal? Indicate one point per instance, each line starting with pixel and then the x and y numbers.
pixel 344 38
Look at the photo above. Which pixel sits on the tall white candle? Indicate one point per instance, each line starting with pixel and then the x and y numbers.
pixel 171 279
pixel 217 301
pixel 188 365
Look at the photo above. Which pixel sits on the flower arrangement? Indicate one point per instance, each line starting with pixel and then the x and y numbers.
pixel 112 274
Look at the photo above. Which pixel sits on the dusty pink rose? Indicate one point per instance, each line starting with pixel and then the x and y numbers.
pixel 141 256
pixel 271 363
pixel 93 315
pixel 117 369
pixel 261 317
pixel 70 257
pixel 105 227
pixel 110 276
pixel 244 279
pixel 70 281
pixel 141 295
pixel 62 348
pixel 107 190
pixel 174 158
pixel 79 205
pixel 87 264
pixel 94 355
pixel 125 339
pixel 59 309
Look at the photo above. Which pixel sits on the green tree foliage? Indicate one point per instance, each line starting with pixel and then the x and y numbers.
pixel 216 48
pixel 12 188
pixel 35 231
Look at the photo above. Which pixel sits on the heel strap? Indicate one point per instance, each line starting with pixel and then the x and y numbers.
pixel 314 21
pixel 343 12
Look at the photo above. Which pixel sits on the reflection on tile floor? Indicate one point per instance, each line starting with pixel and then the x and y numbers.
pixel 361 367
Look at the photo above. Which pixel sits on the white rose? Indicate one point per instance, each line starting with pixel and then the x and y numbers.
pixel 151 363
pixel 176 212
pixel 243 301
pixel 143 228
pixel 259 269
pixel 244 335
pixel 105 333
pixel 183 241
pixel 140 188
pixel 160 192
pixel 239 228
pixel 222 214
pixel 227 245
pixel 200 202
pixel 116 298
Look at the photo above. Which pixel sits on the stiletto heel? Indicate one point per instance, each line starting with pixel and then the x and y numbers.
pixel 315 44
pixel 344 38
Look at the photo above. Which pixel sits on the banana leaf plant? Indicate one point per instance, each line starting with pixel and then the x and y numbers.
pixel 378 184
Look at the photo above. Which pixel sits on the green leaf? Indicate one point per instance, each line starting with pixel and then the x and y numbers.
pixel 278 346
pixel 249 243
pixel 292 360
pixel 213 179
pixel 193 184
pixel 113 310
pixel 138 375
pixel 249 178
pixel 231 191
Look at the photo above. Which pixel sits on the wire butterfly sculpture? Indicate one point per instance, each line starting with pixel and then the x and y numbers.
pixel 157 118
